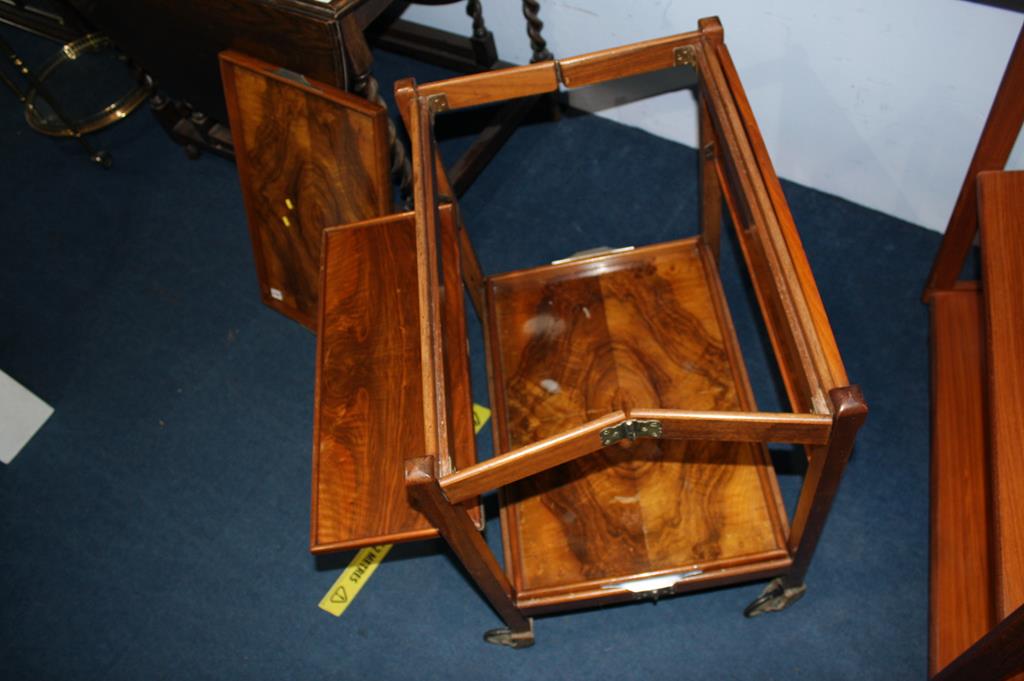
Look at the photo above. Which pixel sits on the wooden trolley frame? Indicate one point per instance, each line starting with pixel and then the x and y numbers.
pixel 631 457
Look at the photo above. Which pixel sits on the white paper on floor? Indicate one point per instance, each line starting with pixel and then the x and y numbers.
pixel 21 415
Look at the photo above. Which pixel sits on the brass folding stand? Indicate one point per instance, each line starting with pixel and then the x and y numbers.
pixel 630 455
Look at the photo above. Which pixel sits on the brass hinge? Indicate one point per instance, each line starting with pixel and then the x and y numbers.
pixel 685 56
pixel 630 429
pixel 437 103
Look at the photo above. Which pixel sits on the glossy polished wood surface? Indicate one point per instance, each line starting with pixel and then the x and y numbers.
pixel 459 393
pixel 309 157
pixel 495 86
pixel 573 342
pixel 464 539
pixel 624 61
pixel 369 402
pixel 1001 203
pixel 523 462
pixel 960 593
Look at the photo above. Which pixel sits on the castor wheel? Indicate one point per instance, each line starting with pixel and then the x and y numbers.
pixel 509 638
pixel 103 159
pixel 775 597
pixel 192 151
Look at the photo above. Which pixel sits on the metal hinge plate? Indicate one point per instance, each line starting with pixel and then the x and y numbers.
pixel 685 56
pixel 630 429
pixel 437 103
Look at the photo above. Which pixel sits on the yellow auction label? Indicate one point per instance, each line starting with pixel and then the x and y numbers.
pixel 347 586
pixel 480 416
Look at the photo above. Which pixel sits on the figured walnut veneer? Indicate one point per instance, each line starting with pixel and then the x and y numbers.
pixel 309 157
pixel 637 330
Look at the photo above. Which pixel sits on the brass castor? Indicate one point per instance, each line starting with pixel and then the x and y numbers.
pixel 512 639
pixel 776 596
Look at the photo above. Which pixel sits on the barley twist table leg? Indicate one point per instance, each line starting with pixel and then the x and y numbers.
pixel 401 169
pixel 531 10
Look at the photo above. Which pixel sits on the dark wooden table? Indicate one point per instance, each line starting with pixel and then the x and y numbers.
pixel 177 43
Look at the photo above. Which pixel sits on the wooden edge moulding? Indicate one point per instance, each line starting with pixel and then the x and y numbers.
pixel 976 566
pixel 631 459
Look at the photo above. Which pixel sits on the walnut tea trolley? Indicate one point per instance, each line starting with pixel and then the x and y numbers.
pixel 631 458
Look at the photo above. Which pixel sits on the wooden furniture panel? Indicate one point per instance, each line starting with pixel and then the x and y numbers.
pixel 309 157
pixel 629 60
pixel 369 401
pixel 494 86
pixel 960 595
pixel 629 331
pixel 1001 202
pixel 630 455
pixel 979 436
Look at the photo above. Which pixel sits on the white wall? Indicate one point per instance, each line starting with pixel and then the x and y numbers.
pixel 878 101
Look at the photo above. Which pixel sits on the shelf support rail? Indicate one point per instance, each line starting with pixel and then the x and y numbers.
pixel 468 483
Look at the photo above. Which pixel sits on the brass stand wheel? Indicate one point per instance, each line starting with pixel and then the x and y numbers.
pixel 89 78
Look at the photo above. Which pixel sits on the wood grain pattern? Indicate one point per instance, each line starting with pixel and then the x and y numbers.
pixel 369 403
pixel 459 395
pixel 997 655
pixel 494 86
pixel 435 408
pixel 740 426
pixel 405 94
pixel 464 539
pixel 1001 129
pixel 960 601
pixel 621 62
pixel 526 461
pixel 1001 204
pixel 574 342
pixel 309 157
pixel 744 391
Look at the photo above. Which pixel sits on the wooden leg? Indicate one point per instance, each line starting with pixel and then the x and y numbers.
pixel 710 190
pixel 820 487
pixel 458 530
pixel 823 476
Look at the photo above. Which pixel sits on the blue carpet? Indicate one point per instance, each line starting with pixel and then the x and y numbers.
pixel 157 526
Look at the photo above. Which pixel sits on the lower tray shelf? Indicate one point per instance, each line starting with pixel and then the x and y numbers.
pixel 642 329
